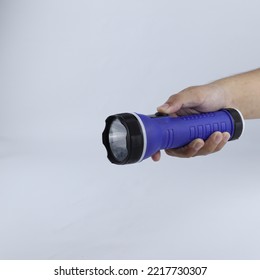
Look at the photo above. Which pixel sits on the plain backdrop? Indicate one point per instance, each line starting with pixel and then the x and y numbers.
pixel 64 67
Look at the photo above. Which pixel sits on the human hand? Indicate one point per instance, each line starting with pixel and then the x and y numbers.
pixel 193 100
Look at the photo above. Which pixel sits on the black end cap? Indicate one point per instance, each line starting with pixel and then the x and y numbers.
pixel 238 123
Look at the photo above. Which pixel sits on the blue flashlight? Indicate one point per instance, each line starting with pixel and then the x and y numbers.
pixel 131 138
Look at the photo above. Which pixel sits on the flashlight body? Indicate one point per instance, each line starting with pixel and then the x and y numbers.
pixel 165 132
pixel 131 138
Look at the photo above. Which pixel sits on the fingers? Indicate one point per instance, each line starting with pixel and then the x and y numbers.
pixel 187 151
pixel 198 147
pixel 214 143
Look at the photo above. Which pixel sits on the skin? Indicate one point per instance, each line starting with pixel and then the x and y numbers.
pixel 240 91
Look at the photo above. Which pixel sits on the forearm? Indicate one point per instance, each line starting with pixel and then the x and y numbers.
pixel 242 91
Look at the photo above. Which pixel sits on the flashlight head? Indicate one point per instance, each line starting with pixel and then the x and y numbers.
pixel 123 138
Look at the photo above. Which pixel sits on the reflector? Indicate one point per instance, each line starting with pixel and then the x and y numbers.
pixel 117 140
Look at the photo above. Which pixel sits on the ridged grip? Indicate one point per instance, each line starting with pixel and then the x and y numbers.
pixel 167 132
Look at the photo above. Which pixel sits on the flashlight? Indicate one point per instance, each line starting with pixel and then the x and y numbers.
pixel 132 137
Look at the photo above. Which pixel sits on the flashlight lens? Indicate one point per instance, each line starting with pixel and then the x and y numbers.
pixel 117 140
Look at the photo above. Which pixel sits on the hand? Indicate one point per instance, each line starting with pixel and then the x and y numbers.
pixel 192 100
pixel 198 147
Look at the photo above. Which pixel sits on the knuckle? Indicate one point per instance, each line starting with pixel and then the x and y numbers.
pixel 190 88
pixel 171 98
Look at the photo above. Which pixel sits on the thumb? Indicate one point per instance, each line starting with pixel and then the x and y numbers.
pixel 173 105
pixel 188 98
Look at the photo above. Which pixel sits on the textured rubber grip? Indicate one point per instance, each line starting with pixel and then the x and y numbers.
pixel 174 132
pixel 203 125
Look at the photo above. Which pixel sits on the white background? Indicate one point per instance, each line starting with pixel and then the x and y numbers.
pixel 64 67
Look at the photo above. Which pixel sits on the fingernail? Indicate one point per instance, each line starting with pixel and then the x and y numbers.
pixel 226 137
pixel 164 106
pixel 218 138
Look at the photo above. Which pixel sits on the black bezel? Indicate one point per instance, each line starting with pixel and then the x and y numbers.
pixel 134 138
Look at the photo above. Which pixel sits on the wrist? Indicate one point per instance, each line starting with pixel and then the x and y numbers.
pixel 223 93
